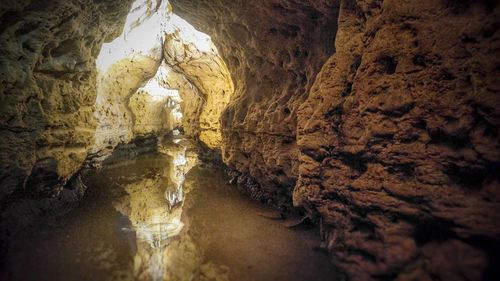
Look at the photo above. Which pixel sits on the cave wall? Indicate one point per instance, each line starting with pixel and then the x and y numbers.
pixel 129 104
pixel 48 78
pixel 399 140
pixel 201 75
pixel 395 148
pixel 152 110
pixel 273 49
pixel 382 116
pixel 125 65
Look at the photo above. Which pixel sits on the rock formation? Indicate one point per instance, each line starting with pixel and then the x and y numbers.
pixel 48 88
pixel 399 140
pixel 396 145
pixel 193 55
pixel 70 99
pixel 124 65
pixel 379 119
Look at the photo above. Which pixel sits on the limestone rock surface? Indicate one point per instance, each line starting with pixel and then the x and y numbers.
pixel 48 78
pixel 135 95
pixel 394 148
pixel 202 76
pixel 399 140
pixel 380 118
pixel 273 50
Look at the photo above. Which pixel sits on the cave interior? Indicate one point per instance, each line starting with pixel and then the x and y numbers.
pixel 314 139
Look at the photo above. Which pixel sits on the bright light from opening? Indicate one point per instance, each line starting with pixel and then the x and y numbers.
pixel 144 39
pixel 177 114
pixel 159 92
pixel 144 35
pixel 189 34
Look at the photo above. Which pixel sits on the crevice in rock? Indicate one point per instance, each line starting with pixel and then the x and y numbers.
pixel 377 118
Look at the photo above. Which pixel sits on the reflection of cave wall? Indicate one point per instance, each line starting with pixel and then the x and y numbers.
pixel 396 147
pixel 383 115
pixel 60 106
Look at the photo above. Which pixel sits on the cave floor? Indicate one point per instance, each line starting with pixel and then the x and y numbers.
pixel 161 215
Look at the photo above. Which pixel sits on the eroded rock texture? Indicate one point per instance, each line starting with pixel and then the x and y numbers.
pixel 132 87
pixel 397 143
pixel 273 49
pixel 124 65
pixel 201 76
pixel 68 99
pixel 48 78
pixel 382 116
pixel 399 140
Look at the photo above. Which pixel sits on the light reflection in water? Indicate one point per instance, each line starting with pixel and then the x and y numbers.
pixel 126 229
pixel 154 208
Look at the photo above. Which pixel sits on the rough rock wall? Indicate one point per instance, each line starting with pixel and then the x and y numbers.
pixel 399 140
pixel 113 112
pixel 47 78
pixel 202 72
pixel 124 65
pixel 191 64
pixel 191 104
pixel 273 49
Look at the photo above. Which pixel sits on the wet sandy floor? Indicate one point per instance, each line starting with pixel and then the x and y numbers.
pixel 163 216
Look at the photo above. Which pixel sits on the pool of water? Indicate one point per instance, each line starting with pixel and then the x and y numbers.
pixel 161 215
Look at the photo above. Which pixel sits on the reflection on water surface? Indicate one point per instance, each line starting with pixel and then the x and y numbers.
pixel 158 215
pixel 154 207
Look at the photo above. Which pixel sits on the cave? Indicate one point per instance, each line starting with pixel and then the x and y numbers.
pixel 250 140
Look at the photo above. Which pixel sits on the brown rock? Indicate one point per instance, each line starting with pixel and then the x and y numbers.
pixel 397 139
pixel 380 117
pixel 48 87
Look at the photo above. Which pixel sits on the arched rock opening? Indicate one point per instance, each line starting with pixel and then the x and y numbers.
pixel 378 118
pixel 65 106
pixel 159 75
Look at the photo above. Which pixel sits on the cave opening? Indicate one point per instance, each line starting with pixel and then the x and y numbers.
pixel 249 140
pixel 154 173
pixel 160 75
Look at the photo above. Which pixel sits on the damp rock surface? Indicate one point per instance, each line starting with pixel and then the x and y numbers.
pixel 399 141
pixel 273 50
pixel 386 129
pixel 48 87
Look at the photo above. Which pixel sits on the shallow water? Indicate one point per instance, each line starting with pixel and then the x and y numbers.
pixel 162 215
